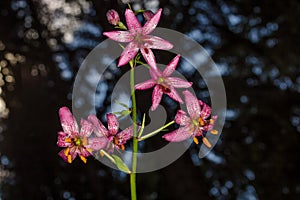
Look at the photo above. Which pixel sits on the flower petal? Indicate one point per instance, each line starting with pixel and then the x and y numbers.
pixel 178 82
pixel 155 42
pixel 145 85
pixel 206 110
pixel 67 158
pixel 131 20
pixel 113 124
pixel 178 135
pixel 152 23
pixel 128 53
pixel 99 128
pixel 174 95
pixel 171 66
pixel 192 104
pixel 156 97
pixel 181 118
pixel 155 73
pixel 61 142
pixel 125 135
pixel 97 143
pixel 84 152
pixel 86 128
pixel 120 36
pixel 149 56
pixel 67 120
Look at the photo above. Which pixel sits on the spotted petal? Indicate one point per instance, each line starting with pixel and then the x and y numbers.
pixel 152 23
pixel 125 135
pixel 178 135
pixel 99 128
pixel 178 82
pixel 145 85
pixel 206 110
pixel 61 140
pixel 131 21
pixel 181 118
pixel 155 73
pixel 171 66
pixel 113 124
pixel 148 56
pixel 128 53
pixel 155 42
pixel 67 120
pixel 156 97
pixel 86 128
pixel 174 95
pixel 63 155
pixel 192 104
pixel 97 143
pixel 120 36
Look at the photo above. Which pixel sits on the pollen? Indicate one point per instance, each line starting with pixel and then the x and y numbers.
pixel 67 151
pixel 123 147
pixel 206 142
pixel 83 159
pixel 214 132
pixel 196 140
pixel 201 121
pixel 69 159
pixel 68 140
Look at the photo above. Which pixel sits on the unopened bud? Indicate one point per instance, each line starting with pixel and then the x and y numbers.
pixel 113 17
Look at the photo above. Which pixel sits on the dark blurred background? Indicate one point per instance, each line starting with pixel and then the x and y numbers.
pixel 256 46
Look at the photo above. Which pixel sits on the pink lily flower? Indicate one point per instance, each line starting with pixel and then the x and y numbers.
pixel 139 39
pixel 194 125
pixel 70 138
pixel 164 84
pixel 108 138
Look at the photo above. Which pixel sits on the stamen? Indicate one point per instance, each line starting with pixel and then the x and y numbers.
pixel 84 141
pixel 123 147
pixel 83 159
pixel 212 121
pixel 214 132
pixel 68 140
pixel 69 159
pixel 67 151
pixel 201 121
pixel 196 140
pixel 206 142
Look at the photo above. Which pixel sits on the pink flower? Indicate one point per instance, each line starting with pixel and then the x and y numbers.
pixel 139 39
pixel 70 138
pixel 148 14
pixel 164 84
pixel 108 138
pixel 194 125
pixel 112 17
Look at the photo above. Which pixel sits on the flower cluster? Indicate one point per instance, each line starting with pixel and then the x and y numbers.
pixel 94 136
pixel 81 143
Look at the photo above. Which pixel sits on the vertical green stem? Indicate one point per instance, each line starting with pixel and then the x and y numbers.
pixel 135 140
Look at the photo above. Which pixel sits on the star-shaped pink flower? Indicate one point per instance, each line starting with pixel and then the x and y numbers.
pixel 70 138
pixel 139 39
pixel 108 138
pixel 194 125
pixel 164 84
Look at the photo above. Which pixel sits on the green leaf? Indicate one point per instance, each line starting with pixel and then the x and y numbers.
pixel 120 164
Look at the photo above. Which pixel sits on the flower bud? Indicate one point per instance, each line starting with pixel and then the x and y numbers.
pixel 112 17
pixel 148 14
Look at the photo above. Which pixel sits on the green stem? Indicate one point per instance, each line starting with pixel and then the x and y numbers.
pixel 135 140
pixel 108 156
pixel 156 131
